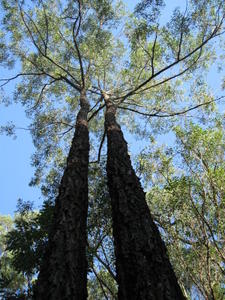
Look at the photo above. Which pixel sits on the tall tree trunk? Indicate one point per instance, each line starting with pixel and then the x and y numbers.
pixel 143 268
pixel 63 275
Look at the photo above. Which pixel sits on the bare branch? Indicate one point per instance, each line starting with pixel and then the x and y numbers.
pixel 75 34
pixel 47 27
pixel 180 44
pixel 65 132
pixel 96 112
pixel 101 98
pixel 153 53
pixel 7 80
pixel 101 145
pixel 142 69
pixel 105 265
pixel 156 114
pixel 102 284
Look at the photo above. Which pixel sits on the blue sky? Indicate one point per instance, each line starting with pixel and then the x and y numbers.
pixel 15 154
pixel 16 171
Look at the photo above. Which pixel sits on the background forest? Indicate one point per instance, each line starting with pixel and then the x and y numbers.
pixel 162 64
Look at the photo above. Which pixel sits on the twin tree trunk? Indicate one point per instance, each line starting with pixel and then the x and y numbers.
pixel 143 268
pixel 63 275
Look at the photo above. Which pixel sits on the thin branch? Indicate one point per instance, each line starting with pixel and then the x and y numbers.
pixel 101 145
pixel 142 69
pixel 47 28
pixel 75 34
pixel 101 98
pixel 78 18
pixel 65 132
pixel 105 265
pixel 37 66
pixel 96 112
pixel 156 114
pixel 37 29
pixel 22 128
pixel 199 47
pixel 153 53
pixel 182 32
pixel 106 258
pixel 102 284
pixel 174 76
pixel 180 44
pixel 7 80
pixel 203 219
pixel 94 92
pixel 42 92
pixel 76 86
pixel 133 103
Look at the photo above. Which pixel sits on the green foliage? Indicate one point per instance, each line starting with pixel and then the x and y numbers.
pixel 11 281
pixel 187 199
pixel 101 287
pixel 25 241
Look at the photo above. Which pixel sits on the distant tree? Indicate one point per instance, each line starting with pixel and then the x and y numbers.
pixel 186 196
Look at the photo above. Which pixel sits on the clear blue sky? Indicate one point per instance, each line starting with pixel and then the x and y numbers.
pixel 15 155
pixel 15 168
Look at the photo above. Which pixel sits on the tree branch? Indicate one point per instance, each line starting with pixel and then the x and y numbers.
pixel 7 80
pixel 105 265
pixel 42 92
pixel 75 34
pixel 156 114
pixel 177 61
pixel 77 85
pixel 101 145
pixel 102 284
pixel 153 54
pixel 96 112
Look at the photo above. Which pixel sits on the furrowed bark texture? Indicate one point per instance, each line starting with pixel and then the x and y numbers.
pixel 143 268
pixel 63 275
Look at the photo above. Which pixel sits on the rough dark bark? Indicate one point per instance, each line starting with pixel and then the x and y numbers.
pixel 143 268
pixel 63 275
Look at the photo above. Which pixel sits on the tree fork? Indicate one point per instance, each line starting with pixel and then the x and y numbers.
pixel 143 267
pixel 63 274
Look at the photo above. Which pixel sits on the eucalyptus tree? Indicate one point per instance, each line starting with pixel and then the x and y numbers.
pixel 159 54
pixel 56 43
pixel 147 84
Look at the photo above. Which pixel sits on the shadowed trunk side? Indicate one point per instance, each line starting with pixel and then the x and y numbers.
pixel 63 275
pixel 143 268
